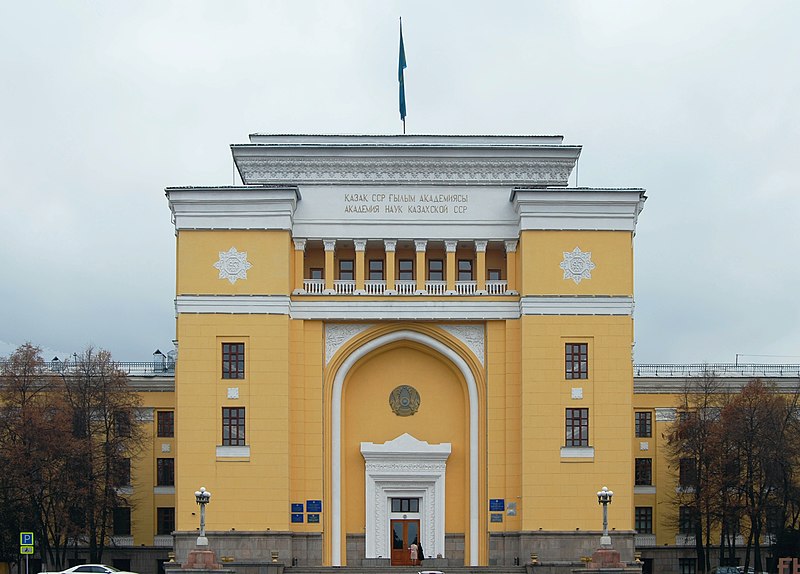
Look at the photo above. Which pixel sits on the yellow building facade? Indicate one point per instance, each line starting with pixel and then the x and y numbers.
pixel 395 339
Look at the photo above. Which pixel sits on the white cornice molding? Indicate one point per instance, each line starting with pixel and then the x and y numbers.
pixel 532 305
pixel 407 309
pixel 578 208
pixel 226 304
pixel 244 207
pixel 474 160
pixel 403 308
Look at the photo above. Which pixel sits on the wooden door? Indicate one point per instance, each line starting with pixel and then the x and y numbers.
pixel 404 533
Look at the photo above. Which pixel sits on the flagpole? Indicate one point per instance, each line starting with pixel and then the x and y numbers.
pixel 401 65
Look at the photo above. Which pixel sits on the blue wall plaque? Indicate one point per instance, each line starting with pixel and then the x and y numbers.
pixel 497 504
pixel 313 506
pixel 297 517
pixel 496 517
pixel 297 507
pixel 313 518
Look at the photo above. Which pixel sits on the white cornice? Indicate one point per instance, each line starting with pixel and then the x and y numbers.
pixel 243 207
pixel 531 305
pixel 578 208
pixel 403 308
pixel 376 160
pixel 243 304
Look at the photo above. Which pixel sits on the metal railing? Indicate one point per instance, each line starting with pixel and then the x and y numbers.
pixel 716 370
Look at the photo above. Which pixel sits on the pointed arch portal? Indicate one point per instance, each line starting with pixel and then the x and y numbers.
pixel 336 433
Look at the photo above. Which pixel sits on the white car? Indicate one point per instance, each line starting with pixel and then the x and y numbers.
pixel 90 569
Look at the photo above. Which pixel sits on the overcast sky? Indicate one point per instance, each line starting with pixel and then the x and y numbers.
pixel 104 104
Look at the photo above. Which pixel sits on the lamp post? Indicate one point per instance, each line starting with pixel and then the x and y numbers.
pixel 202 497
pixel 604 497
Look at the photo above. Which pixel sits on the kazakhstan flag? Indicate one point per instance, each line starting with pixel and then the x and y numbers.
pixel 400 67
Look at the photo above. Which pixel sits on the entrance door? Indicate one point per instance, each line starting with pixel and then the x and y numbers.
pixel 404 532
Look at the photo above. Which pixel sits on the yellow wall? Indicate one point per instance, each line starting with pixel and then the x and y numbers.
pixel 269 253
pixel 560 492
pixel 541 253
pixel 252 493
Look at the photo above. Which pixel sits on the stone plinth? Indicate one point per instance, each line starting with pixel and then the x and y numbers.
pixel 201 560
pixel 605 558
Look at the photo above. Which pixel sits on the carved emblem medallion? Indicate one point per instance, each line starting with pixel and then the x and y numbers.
pixel 577 265
pixel 233 265
pixel 404 400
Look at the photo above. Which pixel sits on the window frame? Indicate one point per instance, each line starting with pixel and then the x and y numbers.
pixel 643 519
pixel 163 519
pixel 347 274
pixel 576 355
pixel 643 471
pixel 494 275
pixel 121 521
pixel 233 426
pixel 643 424
pixel 405 274
pixel 316 273
pixel 431 271
pixel 468 270
pixel 233 360
pixel 165 471
pixel 378 273
pixel 687 472
pixel 576 418
pixel 687 518
pixel 165 424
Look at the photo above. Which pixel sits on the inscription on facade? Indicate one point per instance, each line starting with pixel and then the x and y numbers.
pixel 406 204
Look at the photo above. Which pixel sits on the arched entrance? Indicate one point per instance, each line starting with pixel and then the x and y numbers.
pixel 471 450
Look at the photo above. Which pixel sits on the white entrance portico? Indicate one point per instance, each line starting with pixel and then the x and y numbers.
pixel 405 468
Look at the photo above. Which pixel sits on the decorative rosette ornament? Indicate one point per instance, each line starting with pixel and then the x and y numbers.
pixel 577 265
pixel 233 265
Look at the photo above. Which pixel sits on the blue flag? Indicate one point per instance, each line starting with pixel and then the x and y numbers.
pixel 400 67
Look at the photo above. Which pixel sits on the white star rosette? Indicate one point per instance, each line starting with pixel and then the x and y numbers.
pixel 577 265
pixel 233 265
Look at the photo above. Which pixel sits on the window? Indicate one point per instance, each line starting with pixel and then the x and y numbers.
pixel 643 424
pixel 122 521
pixel 576 361
pixel 122 423
pixel 686 520
pixel 435 270
pixel 166 424
pixel 165 472
pixel 687 476
pixel 233 426
pixel 123 472
pixel 465 269
pixel 405 269
pixel 644 472
pixel 687 565
pixel 774 519
pixel 494 274
pixel 644 520
pixel 346 270
pixel 405 505
pixel 376 269
pixel 577 427
pixel 232 360
pixel 316 273
pixel 165 520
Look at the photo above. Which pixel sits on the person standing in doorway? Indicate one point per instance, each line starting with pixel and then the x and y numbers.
pixel 413 552
pixel 420 553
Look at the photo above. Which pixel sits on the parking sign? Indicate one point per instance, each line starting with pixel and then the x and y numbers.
pixel 26 538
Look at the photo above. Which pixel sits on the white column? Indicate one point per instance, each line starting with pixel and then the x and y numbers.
pixel 450 267
pixel 299 266
pixel 389 246
pixel 330 247
pixel 511 268
pixel 480 267
pixel 361 246
pixel 420 245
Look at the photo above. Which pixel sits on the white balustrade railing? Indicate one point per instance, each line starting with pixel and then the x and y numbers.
pixel 374 286
pixel 466 287
pixel 344 286
pixel 314 286
pixel 644 540
pixel 162 540
pixel 496 287
pixel 436 287
pixel 405 286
